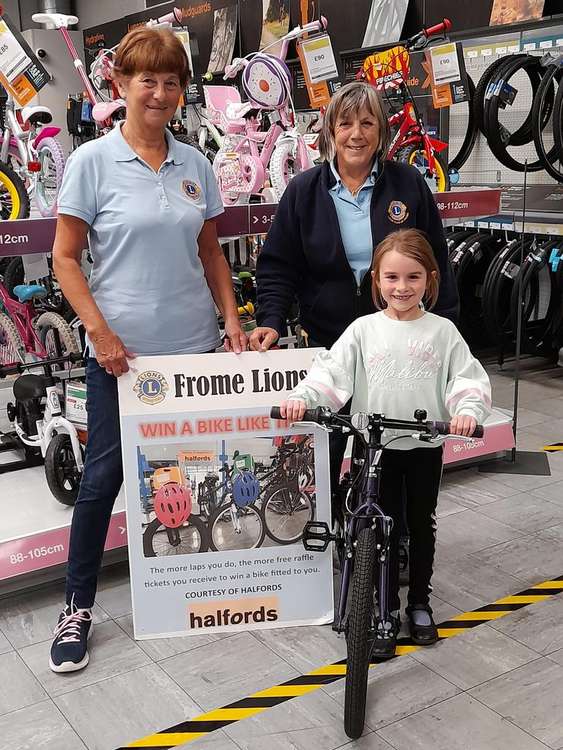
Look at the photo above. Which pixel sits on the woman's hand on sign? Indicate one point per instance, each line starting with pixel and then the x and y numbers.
pixel 293 409
pixel 463 424
pixel 235 338
pixel 262 338
pixel 111 353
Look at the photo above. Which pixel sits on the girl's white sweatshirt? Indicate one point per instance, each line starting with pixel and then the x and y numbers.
pixel 393 367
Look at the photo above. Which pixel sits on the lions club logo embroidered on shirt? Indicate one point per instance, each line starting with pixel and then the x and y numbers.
pixel 151 387
pixel 191 189
pixel 397 212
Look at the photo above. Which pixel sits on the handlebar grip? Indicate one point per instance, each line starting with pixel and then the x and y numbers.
pixel 443 428
pixel 310 415
pixel 438 28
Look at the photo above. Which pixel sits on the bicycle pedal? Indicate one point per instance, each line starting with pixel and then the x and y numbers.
pixel 317 536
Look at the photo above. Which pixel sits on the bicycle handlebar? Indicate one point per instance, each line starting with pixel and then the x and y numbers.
pixel 419 39
pixel 22 366
pixel 322 415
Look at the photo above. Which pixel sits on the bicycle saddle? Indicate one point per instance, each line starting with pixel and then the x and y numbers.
pixel 37 114
pixel 104 110
pixel 57 20
pixel 25 292
pixel 28 387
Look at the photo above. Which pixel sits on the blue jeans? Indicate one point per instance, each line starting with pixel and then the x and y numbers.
pixel 101 481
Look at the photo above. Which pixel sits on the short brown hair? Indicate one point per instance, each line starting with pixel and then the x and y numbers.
pixel 154 50
pixel 350 99
pixel 413 244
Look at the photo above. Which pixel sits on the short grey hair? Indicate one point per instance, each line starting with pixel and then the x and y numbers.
pixel 350 99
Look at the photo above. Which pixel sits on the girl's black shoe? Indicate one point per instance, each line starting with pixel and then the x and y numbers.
pixel 422 635
pixel 385 639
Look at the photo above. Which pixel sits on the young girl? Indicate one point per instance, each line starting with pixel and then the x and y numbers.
pixel 393 362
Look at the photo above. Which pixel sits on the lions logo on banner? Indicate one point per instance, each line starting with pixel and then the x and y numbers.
pixel 151 387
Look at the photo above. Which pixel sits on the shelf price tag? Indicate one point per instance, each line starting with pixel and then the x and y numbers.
pixel 445 64
pixel 318 58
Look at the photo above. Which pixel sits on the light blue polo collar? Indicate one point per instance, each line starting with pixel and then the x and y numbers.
pixel 370 179
pixel 122 151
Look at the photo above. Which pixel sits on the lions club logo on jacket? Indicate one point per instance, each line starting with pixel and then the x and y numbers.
pixel 397 212
pixel 151 387
pixel 191 189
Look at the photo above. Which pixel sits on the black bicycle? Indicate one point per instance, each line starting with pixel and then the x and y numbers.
pixel 362 536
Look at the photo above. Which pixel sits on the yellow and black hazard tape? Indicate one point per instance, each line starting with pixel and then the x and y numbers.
pixel 256 703
pixel 553 447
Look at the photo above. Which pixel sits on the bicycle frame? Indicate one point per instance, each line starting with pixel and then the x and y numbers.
pixel 22 315
pixel 367 512
pixel 411 132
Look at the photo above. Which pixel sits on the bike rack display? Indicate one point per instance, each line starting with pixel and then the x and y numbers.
pixel 42 550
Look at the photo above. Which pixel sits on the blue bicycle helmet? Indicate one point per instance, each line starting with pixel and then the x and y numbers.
pixel 245 489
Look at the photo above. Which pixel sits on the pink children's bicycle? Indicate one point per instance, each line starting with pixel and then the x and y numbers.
pixel 251 155
pixel 28 334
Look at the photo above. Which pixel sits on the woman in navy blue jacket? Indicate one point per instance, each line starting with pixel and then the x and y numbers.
pixel 320 246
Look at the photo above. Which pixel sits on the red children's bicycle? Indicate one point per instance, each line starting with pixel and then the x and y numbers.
pixel 389 71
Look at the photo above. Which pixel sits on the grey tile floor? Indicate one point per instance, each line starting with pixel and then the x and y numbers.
pixel 497 687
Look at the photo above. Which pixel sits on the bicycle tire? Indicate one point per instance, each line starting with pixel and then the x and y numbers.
pixel 548 157
pixel 194 529
pixel 284 166
pixel 12 348
pixel 295 529
pixel 481 91
pixel 360 621
pixel 471 131
pixel 440 183
pixel 14 275
pixel 557 122
pixel 62 474
pixel 535 334
pixel 64 342
pixel 493 130
pixel 189 140
pixel 4 263
pixel 14 200
pixel 48 186
pixel 218 541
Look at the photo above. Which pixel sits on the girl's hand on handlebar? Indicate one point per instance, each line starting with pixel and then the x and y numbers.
pixel 235 338
pixel 261 339
pixel 111 353
pixel 462 424
pixel 293 409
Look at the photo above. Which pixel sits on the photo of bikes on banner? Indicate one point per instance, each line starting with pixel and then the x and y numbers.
pixel 226 494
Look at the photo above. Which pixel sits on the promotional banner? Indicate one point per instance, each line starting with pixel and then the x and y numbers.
pixel 218 494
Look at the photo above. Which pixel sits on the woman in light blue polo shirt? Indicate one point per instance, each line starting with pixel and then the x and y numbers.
pixel 145 204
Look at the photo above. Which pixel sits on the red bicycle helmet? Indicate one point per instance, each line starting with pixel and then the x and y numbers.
pixel 173 504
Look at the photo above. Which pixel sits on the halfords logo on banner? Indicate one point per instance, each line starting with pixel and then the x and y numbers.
pixel 151 387
pixel 233 612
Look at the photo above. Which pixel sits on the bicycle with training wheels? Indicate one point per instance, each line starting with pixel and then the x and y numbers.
pixel 388 72
pixel 362 536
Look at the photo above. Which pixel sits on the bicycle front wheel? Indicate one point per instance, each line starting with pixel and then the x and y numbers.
pixel 236 528
pixel 159 541
pixel 438 181
pixel 286 513
pixel 360 622
pixel 50 178
pixel 14 200
pixel 12 348
pixel 56 335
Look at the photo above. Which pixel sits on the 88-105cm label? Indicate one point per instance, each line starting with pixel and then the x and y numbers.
pixel 36 552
